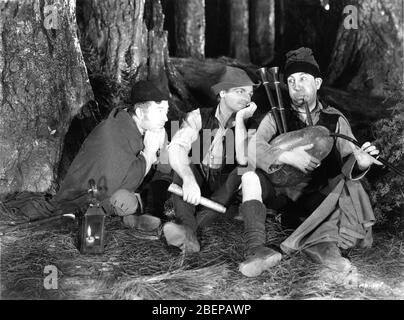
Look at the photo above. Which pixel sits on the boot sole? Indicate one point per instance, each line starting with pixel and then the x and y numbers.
pixel 340 265
pixel 148 222
pixel 143 223
pixel 175 236
pixel 256 266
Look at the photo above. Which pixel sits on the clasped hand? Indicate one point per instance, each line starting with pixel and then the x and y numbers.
pixel 153 141
pixel 300 158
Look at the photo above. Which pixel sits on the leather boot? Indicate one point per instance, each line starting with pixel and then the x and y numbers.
pixel 144 226
pixel 144 222
pixel 329 255
pixel 258 257
pixel 181 236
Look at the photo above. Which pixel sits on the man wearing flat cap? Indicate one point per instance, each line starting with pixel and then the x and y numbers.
pixel 213 173
pixel 330 208
pixel 118 154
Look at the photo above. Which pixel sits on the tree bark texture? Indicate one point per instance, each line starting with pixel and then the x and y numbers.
pixel 199 76
pixel 43 84
pixel 123 39
pixel 262 31
pixel 217 32
pixel 114 34
pixel 370 58
pixel 190 28
pixel 238 12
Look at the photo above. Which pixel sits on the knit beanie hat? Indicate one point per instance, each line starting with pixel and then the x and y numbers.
pixel 301 60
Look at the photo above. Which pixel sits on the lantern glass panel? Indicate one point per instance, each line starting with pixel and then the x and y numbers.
pixel 92 231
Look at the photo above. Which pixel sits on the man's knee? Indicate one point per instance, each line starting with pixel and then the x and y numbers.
pixel 251 187
pixel 124 202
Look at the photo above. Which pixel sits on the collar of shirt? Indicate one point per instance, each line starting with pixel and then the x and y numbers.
pixel 230 123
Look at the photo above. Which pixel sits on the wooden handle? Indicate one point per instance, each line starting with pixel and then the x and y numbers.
pixel 176 189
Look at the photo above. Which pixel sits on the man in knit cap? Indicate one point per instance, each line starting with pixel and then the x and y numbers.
pixel 331 201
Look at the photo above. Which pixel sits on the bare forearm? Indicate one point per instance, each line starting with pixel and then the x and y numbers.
pixel 179 162
pixel 241 141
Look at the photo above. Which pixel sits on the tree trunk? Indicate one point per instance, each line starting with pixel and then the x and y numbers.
pixel 114 35
pixel 280 23
pixel 43 84
pixel 190 28
pixel 217 32
pixel 368 56
pixel 126 38
pixel 200 75
pixel 262 31
pixel 238 26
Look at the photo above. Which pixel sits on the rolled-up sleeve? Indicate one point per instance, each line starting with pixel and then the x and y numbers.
pixel 189 131
pixel 260 154
pixel 346 149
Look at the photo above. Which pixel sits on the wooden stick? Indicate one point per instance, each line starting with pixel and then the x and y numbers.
pixel 176 189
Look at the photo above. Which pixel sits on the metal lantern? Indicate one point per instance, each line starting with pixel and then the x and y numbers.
pixel 93 225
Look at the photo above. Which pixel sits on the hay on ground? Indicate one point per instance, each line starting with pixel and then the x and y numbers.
pixel 132 268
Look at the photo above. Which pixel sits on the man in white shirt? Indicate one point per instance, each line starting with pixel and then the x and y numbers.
pixel 214 172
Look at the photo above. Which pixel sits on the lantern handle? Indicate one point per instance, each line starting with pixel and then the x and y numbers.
pixel 93 191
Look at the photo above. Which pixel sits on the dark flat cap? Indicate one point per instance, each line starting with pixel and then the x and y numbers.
pixel 148 90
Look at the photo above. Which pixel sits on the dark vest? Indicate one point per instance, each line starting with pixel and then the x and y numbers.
pixel 332 164
pixel 210 122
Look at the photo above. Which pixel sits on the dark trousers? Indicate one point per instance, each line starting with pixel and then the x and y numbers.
pixel 292 211
pixel 153 191
pixel 215 184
